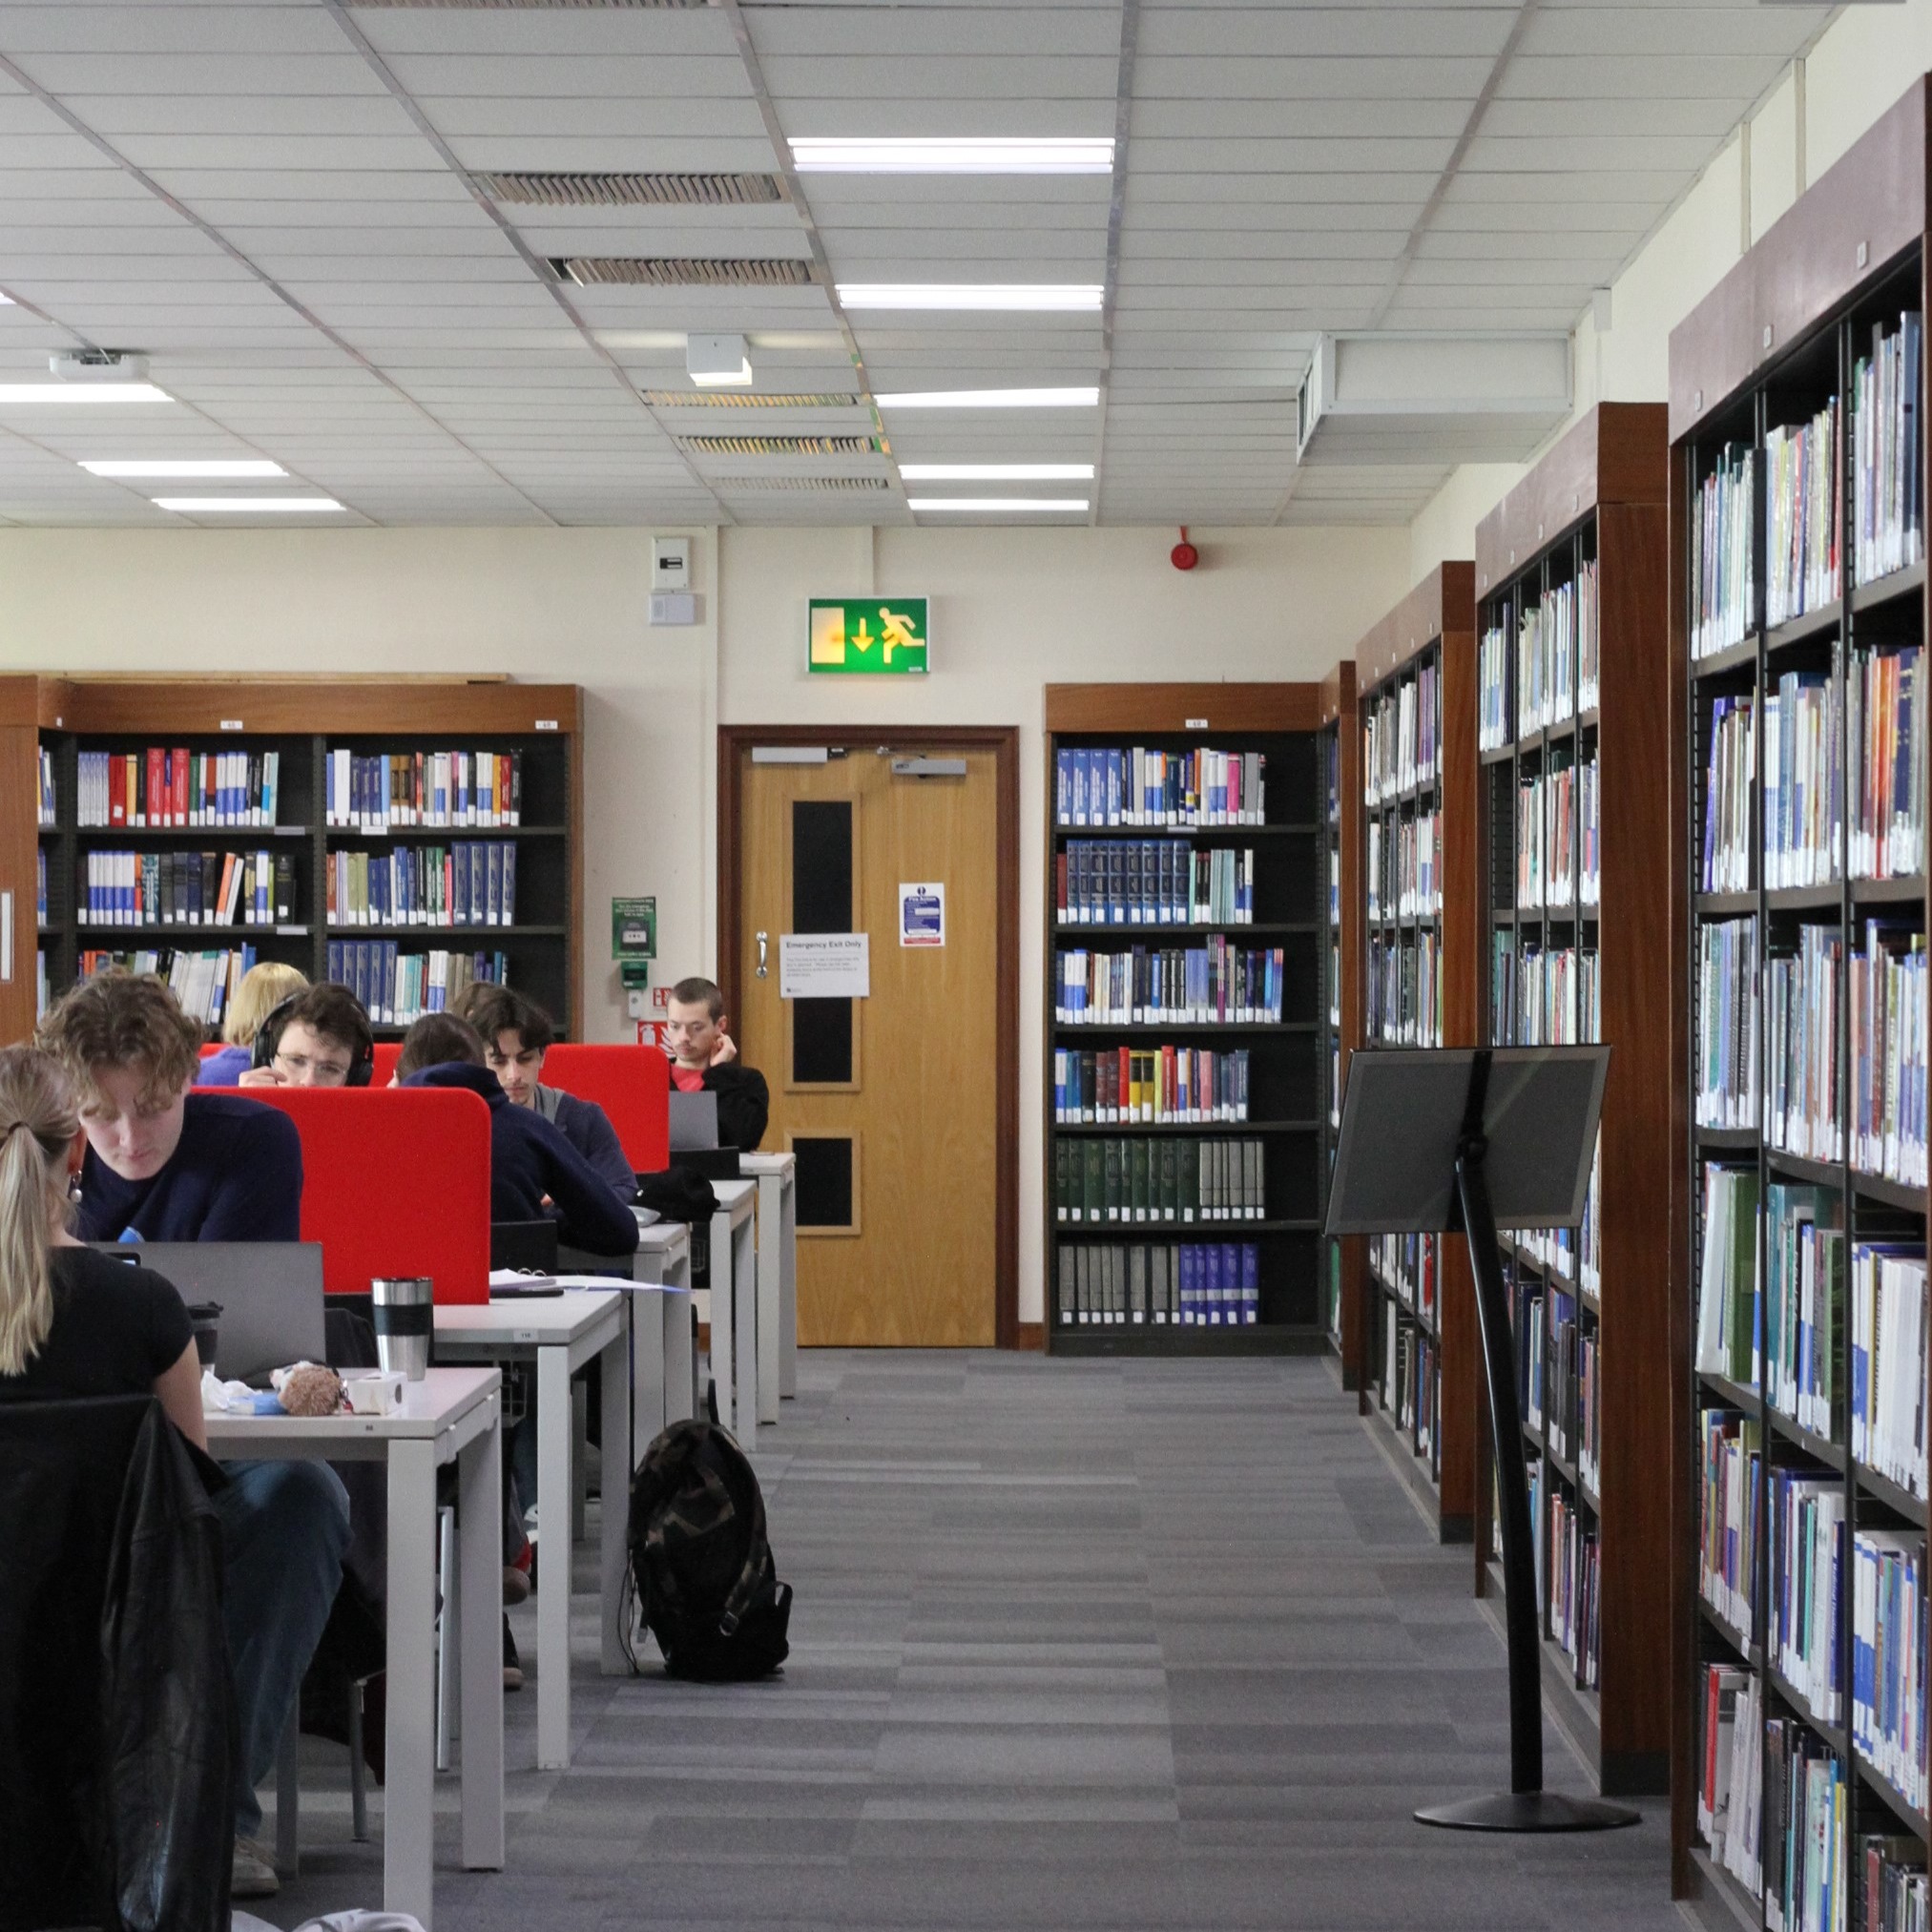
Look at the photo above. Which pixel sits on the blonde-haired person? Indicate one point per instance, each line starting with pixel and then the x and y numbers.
pixel 262 988
pixel 75 1324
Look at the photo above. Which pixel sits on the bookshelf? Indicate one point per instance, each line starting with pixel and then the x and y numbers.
pixel 123 859
pixel 1339 776
pixel 1797 482
pixel 1574 728
pixel 1236 967
pixel 1415 719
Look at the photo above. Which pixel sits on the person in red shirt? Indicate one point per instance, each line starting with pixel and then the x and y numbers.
pixel 705 1060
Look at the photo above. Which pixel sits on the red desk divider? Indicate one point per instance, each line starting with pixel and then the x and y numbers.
pixel 209 1048
pixel 387 1053
pixel 631 1083
pixel 395 1181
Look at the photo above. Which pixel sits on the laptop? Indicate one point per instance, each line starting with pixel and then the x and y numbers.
pixel 693 1122
pixel 270 1292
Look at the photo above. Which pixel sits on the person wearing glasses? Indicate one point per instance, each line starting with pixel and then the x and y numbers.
pixel 320 1038
pixel 704 1059
pixel 261 989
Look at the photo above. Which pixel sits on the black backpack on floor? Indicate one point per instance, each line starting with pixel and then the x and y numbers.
pixel 707 1588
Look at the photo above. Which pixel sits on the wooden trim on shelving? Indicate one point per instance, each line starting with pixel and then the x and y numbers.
pixel 1611 456
pixel 194 707
pixel 1354 1247
pixel 1868 207
pixel 1179 707
pixel 1338 693
pixel 1002 740
pixel 1030 1337
pixel 1445 597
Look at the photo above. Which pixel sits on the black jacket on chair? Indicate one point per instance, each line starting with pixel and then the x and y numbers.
pixel 116 1712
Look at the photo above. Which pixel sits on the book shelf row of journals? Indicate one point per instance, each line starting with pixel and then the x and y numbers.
pixel 1404 987
pixel 1840 1352
pixel 1811 1100
pixel 1768 1781
pixel 1132 785
pixel 1544 995
pixel 1557 671
pixel 1801 466
pixel 1408 1382
pixel 1162 1086
pixel 1403 870
pixel 379 792
pixel 1407 1265
pixel 1403 737
pixel 466 882
pixel 1806 797
pixel 1214 982
pixel 180 888
pixel 165 787
pixel 1557 1381
pixel 1153 882
pixel 397 988
pixel 1569 1574
pixel 1186 1284
pixel 1102 1182
pixel 1559 856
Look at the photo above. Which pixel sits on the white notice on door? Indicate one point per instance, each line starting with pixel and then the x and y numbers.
pixel 825 965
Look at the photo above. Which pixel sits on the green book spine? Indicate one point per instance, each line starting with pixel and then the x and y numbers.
pixel 1111 1198
pixel 1069 1289
pixel 1140 1150
pixel 1190 1196
pixel 1094 1190
pixel 1170 1179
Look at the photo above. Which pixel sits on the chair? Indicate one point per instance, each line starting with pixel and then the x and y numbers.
pixel 116 1704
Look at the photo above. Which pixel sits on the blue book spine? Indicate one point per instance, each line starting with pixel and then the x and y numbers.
pixel 1251 1284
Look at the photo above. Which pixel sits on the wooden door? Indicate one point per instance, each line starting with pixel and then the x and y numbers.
pixel 890 1101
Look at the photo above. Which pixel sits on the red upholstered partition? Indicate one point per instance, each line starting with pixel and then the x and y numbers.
pixel 387 1053
pixel 631 1083
pixel 395 1181
pixel 211 1047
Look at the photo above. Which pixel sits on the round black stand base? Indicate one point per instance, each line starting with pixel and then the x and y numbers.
pixel 1528 1811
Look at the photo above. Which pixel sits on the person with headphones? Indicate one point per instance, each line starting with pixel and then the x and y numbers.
pixel 265 986
pixel 319 1037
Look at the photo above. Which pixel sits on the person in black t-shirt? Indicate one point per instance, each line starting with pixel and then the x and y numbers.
pixel 75 1324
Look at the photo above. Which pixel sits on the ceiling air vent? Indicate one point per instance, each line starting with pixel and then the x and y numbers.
pixel 731 486
pixel 681 271
pixel 631 190
pixel 779 446
pixel 730 399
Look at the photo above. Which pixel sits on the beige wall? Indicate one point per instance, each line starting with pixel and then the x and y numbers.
pixel 1013 611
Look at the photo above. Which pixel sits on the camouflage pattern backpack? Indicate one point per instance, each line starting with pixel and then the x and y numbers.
pixel 707 1587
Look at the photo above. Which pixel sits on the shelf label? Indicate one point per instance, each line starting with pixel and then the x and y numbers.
pixel 232 724
pixel 545 724
pixel 1196 724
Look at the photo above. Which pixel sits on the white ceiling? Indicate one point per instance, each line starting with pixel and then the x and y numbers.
pixel 269 198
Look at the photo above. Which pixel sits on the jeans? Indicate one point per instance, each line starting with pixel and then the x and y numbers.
pixel 284 1526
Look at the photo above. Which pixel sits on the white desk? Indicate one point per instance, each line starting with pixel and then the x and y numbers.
pixel 562 1333
pixel 777 1176
pixel 663 1345
pixel 734 1307
pixel 450 1416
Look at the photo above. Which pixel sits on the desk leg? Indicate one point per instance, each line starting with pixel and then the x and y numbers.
pixel 680 1349
pixel 744 1285
pixel 479 1595
pixel 649 1410
pixel 788 1287
pixel 553 1579
pixel 723 1315
pixel 647 1265
pixel 615 1506
pixel 409 1823
pixel 770 1295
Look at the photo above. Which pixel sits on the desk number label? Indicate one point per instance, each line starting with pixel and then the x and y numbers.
pixel 233 724
pixel 1196 724
pixel 547 724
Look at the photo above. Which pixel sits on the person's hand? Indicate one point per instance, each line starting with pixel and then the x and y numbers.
pixel 261 1076
pixel 725 1050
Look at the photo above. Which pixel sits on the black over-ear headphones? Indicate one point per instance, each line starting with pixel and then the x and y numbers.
pixel 268 1043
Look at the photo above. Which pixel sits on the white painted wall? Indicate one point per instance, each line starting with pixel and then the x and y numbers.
pixel 1013 611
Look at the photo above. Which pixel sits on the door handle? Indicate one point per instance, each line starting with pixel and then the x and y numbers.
pixel 761 955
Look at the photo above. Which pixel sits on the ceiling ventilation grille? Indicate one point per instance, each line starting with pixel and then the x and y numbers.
pixel 731 486
pixel 681 271
pixel 779 446
pixel 631 190
pixel 727 399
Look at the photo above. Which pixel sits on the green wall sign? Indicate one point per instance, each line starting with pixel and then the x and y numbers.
pixel 634 929
pixel 869 636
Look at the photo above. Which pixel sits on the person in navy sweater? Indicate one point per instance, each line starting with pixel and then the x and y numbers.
pixel 165 1163
pixel 534 1171
pixel 517 1034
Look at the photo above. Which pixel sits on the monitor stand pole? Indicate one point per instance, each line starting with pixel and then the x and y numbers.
pixel 1526 1807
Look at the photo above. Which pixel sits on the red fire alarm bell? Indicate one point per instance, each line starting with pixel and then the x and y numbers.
pixel 1184 556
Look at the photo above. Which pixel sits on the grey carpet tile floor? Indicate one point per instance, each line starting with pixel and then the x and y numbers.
pixel 1108 1646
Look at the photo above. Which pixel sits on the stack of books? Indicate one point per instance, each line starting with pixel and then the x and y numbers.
pixel 1730 1520
pixel 1804 782
pixel 1106 1183
pixel 1804 1299
pixel 1132 785
pixel 465 883
pixel 1727 1024
pixel 1803 1101
pixel 203 982
pixel 379 792
pixel 1161 1086
pixel 1887 1322
pixel 185 888
pixel 1885 695
pixel 397 988
pixel 1888 1023
pixel 165 786
pixel 1153 882
pixel 1730 775
pixel 1888 1657
pixel 1723 585
pixel 1888 518
pixel 1802 467
pixel 1213 984
pixel 1189 1284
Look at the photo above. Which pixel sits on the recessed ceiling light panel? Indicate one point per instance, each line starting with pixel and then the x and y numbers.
pixel 949 154
pixel 204 468
pixel 82 394
pixel 249 505
pixel 1030 506
pixel 1030 297
pixel 991 399
pixel 997 473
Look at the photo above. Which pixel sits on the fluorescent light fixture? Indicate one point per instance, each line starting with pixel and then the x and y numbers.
pixel 203 469
pixel 1029 504
pixel 82 392
pixel 1069 298
pixel 217 506
pixel 718 362
pixel 955 155
pixel 991 399
pixel 997 473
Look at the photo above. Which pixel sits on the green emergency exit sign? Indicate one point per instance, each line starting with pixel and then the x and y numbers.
pixel 876 637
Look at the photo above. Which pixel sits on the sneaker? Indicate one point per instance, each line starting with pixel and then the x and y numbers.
pixel 513 1665
pixel 515 1585
pixel 253 1875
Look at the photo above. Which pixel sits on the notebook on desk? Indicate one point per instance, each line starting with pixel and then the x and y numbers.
pixel 270 1292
